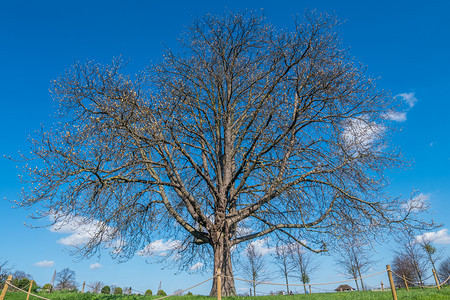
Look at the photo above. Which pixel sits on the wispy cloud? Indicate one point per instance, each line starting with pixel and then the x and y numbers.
pixel 81 230
pixel 196 266
pixel 159 248
pixel 261 247
pixel 409 98
pixel 417 203
pixel 45 264
pixel 395 116
pixel 95 266
pixel 438 237
pixel 400 116
pixel 360 134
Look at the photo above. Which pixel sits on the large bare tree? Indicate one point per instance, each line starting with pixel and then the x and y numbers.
pixel 243 125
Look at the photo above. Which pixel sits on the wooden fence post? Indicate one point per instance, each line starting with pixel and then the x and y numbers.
pixel 219 286
pixel 29 289
pixel 436 279
pixel 5 288
pixel 382 286
pixel 310 289
pixel 391 281
pixel 406 283
pixel 82 290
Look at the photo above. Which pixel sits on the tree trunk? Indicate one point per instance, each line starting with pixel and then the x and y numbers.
pixel 287 283
pixel 360 279
pixel 356 282
pixel 222 264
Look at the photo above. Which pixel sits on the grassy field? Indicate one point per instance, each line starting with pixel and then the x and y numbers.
pixel 402 294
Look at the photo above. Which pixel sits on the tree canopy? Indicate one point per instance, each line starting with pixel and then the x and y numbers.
pixel 245 131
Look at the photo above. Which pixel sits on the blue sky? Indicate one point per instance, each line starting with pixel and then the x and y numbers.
pixel 403 43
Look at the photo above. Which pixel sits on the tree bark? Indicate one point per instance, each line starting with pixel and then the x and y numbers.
pixel 360 279
pixel 356 282
pixel 287 283
pixel 222 264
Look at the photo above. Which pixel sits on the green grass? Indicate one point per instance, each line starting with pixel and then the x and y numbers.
pixel 425 294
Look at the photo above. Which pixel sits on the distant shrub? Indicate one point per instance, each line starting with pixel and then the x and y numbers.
pixel 161 293
pixel 118 291
pixel 106 290
pixel 15 282
pixel 189 294
pixel 34 288
pixel 148 292
pixel 23 283
pixel 47 287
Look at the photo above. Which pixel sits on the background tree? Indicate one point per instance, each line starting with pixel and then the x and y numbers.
pixel 444 270
pixel 254 267
pixel 409 248
pixel 354 259
pixel 106 290
pixel 278 130
pixel 283 261
pixel 403 266
pixel 148 292
pixel 96 287
pixel 5 269
pixel 66 279
pixel 303 263
pixel 21 279
pixel 18 274
pixel 118 291
pixel 47 287
pixel 433 255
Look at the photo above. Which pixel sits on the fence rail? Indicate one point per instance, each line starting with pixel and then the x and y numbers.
pixel 7 284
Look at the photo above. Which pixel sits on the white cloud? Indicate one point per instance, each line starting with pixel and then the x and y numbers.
pixel 409 98
pixel 418 203
pixel 78 238
pixel 159 247
pixel 196 266
pixel 95 266
pixel 81 230
pixel 45 263
pixel 261 247
pixel 395 116
pixel 360 134
pixel 243 231
pixel 438 237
